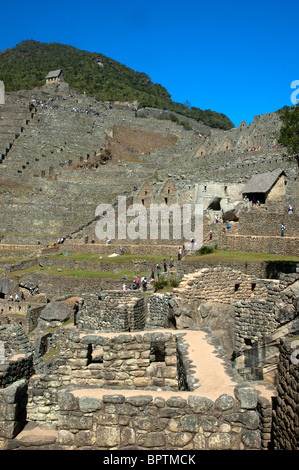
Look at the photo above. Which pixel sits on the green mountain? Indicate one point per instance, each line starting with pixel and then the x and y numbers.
pixel 26 66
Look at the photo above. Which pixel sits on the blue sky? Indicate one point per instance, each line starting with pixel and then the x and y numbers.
pixel 237 58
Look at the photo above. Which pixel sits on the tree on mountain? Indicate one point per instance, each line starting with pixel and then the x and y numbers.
pixel 26 65
pixel 289 132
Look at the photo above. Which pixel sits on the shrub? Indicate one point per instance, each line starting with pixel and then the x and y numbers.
pixel 204 250
pixel 160 284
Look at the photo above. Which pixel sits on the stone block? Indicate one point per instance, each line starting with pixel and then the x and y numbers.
pixel 89 404
pixel 107 419
pixel 128 436
pixel 190 423
pixel 251 439
pixel 65 438
pixel 200 404
pixel 224 441
pixel 224 402
pixel 179 439
pixel 107 436
pixel 68 422
pixel 151 439
pixel 247 396
pixel 141 382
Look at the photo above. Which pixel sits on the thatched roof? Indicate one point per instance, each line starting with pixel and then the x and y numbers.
pixel 262 183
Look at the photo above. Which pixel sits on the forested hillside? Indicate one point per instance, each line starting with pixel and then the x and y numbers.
pixel 26 66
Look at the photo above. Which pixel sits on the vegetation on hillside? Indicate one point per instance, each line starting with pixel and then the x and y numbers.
pixel 289 132
pixel 26 66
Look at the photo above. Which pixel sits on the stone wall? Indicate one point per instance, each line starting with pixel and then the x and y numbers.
pixel 113 311
pixel 13 400
pixel 15 369
pixel 158 309
pixel 92 420
pixel 23 313
pixel 283 246
pixel 218 284
pixel 90 360
pixel 16 343
pixel 285 415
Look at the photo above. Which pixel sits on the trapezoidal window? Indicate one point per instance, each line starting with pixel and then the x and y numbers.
pixel 157 353
pixel 215 204
pixel 94 355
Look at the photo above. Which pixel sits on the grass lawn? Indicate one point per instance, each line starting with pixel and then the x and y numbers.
pixel 125 258
pixel 219 256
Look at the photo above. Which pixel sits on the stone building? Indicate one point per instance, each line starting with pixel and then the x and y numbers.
pixel 266 187
pixel 55 76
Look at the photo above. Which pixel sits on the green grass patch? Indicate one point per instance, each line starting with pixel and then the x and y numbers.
pixel 218 256
pixel 88 274
pixel 51 354
pixel 164 284
pixel 125 258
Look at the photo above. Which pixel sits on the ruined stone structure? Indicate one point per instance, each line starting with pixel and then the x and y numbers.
pixel 110 369
pixel 65 152
pixel 204 366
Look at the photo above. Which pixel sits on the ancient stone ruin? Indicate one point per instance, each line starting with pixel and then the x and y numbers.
pixel 208 364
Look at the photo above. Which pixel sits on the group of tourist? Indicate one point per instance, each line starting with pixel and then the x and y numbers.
pixel 137 284
pixel 256 149
pixel 16 298
pixel 142 283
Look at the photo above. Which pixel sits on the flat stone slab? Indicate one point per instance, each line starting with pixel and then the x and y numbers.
pixel 37 437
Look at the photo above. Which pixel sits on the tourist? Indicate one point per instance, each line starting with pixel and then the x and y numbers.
pixel 165 266
pixel 158 271
pixel 152 276
pixel 179 254
pixel 76 310
pixel 283 227
pixel 211 235
pixel 171 262
pixel 124 287
pixel 144 285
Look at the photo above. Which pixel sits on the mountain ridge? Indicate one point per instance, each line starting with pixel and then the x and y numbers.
pixel 27 64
